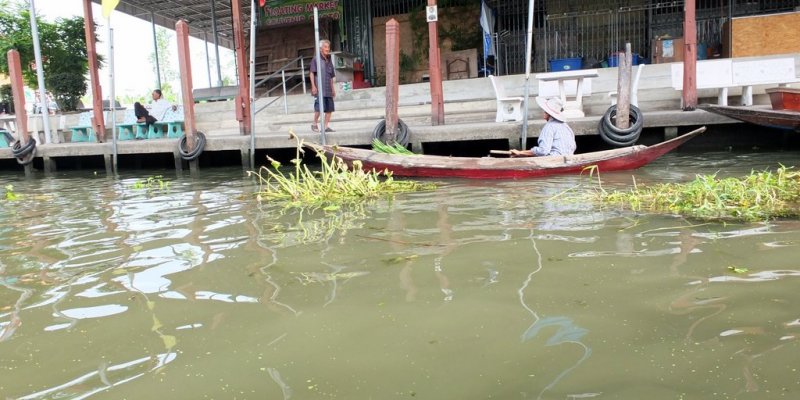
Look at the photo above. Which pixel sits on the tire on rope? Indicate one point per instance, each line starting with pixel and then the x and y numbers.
pixel 191 155
pixel 621 137
pixel 402 136
pixel 24 154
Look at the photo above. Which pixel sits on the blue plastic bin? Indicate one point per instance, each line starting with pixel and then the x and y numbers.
pixel 613 59
pixel 565 64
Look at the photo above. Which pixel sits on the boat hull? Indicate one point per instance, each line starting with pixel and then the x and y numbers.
pixel 505 168
pixel 781 119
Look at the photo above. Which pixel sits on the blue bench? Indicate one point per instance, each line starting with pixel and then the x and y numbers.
pixel 173 121
pixel 84 132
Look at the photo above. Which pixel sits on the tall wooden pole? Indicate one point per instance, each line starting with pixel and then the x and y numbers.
pixel 91 50
pixel 185 68
pixel 15 73
pixel 243 100
pixel 392 79
pixel 689 57
pixel 17 91
pixel 624 63
pixel 435 72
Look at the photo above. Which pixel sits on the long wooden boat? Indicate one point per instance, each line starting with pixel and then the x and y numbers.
pixel 505 168
pixel 781 119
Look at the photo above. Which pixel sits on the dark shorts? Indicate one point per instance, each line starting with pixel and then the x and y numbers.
pixel 327 102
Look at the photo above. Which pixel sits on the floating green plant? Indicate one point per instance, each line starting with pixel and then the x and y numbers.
pixel 10 195
pixel 151 183
pixel 758 196
pixel 334 184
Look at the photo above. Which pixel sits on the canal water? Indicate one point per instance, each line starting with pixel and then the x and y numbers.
pixel 478 290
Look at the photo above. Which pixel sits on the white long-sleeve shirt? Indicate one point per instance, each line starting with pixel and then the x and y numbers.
pixel 159 108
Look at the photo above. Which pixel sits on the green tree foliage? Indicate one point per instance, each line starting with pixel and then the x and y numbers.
pixel 63 45
pixel 169 77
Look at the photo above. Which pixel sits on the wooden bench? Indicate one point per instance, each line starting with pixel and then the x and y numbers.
pixel 508 108
pixel 723 74
pixel 564 82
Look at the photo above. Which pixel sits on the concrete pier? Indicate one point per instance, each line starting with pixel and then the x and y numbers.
pixel 469 104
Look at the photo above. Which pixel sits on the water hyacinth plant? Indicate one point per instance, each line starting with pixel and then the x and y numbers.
pixel 334 184
pixel 758 196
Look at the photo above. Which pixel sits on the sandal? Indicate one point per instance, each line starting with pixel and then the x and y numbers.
pixel 329 130
pixel 314 128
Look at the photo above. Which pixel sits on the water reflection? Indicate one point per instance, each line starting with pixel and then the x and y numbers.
pixel 477 290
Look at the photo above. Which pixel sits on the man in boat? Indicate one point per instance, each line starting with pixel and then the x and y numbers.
pixel 328 85
pixel 556 137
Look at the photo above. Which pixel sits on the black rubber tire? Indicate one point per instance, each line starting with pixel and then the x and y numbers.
pixel 194 153
pixel 380 131
pixel 617 143
pixel 24 155
pixel 620 137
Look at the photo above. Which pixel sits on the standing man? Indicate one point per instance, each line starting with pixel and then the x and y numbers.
pixel 556 137
pixel 328 85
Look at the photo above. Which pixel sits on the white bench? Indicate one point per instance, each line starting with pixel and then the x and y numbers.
pixel 776 71
pixel 508 108
pixel 711 74
pixel 565 81
pixel 723 74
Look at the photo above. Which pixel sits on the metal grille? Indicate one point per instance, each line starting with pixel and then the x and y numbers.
pixel 384 8
pixel 593 30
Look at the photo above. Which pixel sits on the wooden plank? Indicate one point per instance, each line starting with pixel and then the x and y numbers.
pixel 766 35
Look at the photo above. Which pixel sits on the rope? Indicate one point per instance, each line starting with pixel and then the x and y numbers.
pixel 198 148
pixel 620 137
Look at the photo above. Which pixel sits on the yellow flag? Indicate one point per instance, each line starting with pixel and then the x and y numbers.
pixel 108 7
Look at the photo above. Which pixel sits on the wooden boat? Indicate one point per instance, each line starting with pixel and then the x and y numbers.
pixel 782 119
pixel 505 168
pixel 784 98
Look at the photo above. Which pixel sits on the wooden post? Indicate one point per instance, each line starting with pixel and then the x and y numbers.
pixel 392 79
pixel 15 73
pixel 185 69
pixel 243 99
pixel 435 72
pixel 689 57
pixel 624 88
pixel 98 123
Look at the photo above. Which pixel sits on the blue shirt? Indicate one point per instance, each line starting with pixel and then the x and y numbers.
pixel 556 138
pixel 327 76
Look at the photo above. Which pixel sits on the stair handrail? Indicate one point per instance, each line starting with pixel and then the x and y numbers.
pixel 282 69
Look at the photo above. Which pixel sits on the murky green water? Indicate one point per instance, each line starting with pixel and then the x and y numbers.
pixel 475 291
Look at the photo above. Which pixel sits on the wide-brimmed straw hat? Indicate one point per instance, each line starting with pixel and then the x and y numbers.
pixel 552 106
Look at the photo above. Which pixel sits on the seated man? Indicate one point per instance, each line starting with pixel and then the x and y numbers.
pixel 158 108
pixel 556 137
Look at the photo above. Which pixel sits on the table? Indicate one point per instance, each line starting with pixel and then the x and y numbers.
pixel 572 108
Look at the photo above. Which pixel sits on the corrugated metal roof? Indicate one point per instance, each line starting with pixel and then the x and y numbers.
pixel 196 12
